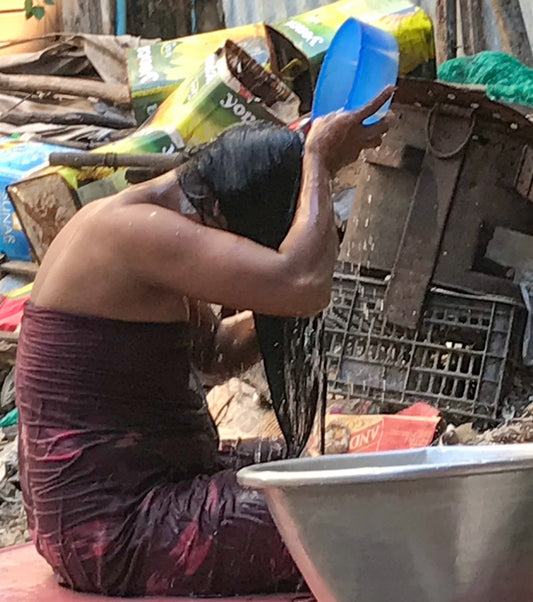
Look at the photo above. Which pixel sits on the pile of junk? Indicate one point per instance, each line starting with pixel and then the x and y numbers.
pixel 429 335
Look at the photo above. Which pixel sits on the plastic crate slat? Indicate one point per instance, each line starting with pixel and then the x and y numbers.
pixel 456 359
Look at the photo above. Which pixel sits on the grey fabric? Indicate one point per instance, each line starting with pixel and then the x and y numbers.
pixel 76 55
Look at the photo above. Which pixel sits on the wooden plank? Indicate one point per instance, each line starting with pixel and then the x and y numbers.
pixel 209 15
pixel 512 28
pixel 20 268
pixel 84 16
pixel 166 19
pixel 107 11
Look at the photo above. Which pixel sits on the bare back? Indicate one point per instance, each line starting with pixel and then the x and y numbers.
pixel 86 271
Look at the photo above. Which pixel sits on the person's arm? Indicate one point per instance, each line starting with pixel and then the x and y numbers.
pixel 223 348
pixel 168 250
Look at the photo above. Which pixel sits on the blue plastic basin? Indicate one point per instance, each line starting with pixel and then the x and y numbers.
pixel 361 61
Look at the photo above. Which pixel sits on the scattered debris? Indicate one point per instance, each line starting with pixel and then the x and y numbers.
pixel 517 430
pixel 241 407
pixel 13 524
pixel 349 434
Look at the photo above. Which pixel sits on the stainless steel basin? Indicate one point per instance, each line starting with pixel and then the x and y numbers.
pixel 437 525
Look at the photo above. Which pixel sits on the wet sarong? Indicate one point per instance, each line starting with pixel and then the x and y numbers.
pixel 124 486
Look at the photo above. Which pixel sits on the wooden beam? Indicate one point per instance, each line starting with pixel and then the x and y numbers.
pixel 88 16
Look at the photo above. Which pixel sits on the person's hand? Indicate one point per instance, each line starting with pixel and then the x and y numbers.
pixel 339 138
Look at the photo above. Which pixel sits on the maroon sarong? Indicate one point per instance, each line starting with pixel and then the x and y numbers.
pixel 120 470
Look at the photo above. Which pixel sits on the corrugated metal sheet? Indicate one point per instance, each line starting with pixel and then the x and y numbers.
pixel 241 12
pixel 492 34
pixel 527 11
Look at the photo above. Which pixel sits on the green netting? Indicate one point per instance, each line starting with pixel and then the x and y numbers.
pixel 506 78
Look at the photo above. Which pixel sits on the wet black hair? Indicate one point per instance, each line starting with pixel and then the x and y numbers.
pixel 254 172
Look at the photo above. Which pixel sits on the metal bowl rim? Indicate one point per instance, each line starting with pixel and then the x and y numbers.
pixel 285 474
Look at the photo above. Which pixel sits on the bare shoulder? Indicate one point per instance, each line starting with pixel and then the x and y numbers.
pixel 134 223
pixel 95 266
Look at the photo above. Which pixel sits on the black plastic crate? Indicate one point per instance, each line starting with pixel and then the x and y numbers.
pixel 457 360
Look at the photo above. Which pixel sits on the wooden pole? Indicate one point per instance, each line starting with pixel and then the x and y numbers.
pixel 148 160
pixel 446 30
pixel 473 26
pixel 116 93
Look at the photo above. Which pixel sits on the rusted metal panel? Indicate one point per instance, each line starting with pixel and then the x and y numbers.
pixel 524 184
pixel 518 120
pixel 480 205
pixel 417 255
pixel 397 156
pixel 44 205
pixel 486 195
pixel 381 206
